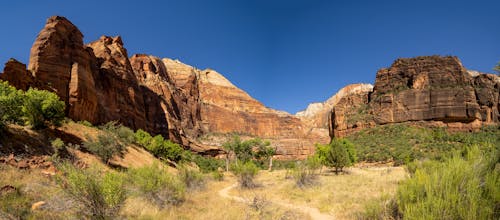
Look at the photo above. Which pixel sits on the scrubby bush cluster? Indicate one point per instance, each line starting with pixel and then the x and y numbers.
pixel 246 173
pixel 159 147
pixel 34 107
pixel 463 186
pixel 111 141
pixel 101 194
pixel 155 183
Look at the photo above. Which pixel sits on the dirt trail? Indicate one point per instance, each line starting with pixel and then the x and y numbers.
pixel 313 212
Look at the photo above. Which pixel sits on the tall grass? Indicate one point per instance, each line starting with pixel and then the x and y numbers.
pixel 463 186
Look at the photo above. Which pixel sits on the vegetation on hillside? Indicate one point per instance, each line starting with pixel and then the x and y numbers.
pixel 37 108
pixel 403 143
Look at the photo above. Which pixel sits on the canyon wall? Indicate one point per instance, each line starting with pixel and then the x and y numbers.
pixel 199 109
pixel 434 89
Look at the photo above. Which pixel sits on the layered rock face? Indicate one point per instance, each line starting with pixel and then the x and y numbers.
pixel 317 115
pixel 435 89
pixel 199 109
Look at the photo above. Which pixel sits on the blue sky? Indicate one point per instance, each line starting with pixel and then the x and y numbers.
pixel 286 54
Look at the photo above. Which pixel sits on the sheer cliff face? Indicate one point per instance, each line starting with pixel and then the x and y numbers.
pixel 196 108
pixel 435 89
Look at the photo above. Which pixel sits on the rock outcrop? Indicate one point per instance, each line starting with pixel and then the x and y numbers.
pixel 199 109
pixel 434 89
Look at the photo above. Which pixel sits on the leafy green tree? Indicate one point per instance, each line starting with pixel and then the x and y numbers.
pixel 11 101
pixel 42 108
pixel 339 153
pixel 244 151
pixel 497 68
pixel 263 151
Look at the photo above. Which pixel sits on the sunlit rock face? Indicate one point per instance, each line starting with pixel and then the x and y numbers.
pixel 435 89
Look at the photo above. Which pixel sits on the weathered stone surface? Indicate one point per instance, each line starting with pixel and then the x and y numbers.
pixel 317 115
pixel 16 74
pixel 436 89
pixel 57 48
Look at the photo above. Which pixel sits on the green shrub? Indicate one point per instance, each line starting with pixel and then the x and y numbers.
pixel 106 146
pixel 101 194
pixel 458 188
pixel 11 102
pixel 157 185
pixel 191 178
pixel 60 149
pixel 124 134
pixel 15 204
pixel 85 123
pixel 246 173
pixel 207 164
pixel 42 108
pixel 142 137
pixel 382 208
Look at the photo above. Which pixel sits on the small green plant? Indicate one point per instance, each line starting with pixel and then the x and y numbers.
pixel 382 208
pixel 101 194
pixel 85 123
pixel 120 132
pixel 246 173
pixel 14 203
pixel 191 178
pixel 154 183
pixel 60 149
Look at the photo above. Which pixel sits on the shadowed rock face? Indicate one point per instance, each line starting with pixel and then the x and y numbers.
pixel 433 88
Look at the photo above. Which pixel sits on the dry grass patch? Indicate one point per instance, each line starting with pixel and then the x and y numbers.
pixel 342 196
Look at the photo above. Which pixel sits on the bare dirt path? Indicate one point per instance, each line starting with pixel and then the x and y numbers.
pixel 313 212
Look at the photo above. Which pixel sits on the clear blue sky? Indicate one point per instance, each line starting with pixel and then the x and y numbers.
pixel 284 53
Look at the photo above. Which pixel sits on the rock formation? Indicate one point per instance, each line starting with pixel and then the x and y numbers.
pixel 433 88
pixel 199 109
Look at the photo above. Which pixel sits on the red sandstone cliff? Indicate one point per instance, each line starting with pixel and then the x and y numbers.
pixel 435 89
pixel 199 109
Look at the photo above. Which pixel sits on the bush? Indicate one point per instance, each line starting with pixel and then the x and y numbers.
pixel 15 204
pixel 246 173
pixel 382 208
pixel 191 178
pixel 101 194
pixel 207 164
pixel 156 184
pixel 42 108
pixel 304 175
pixel 124 134
pixel 60 149
pixel 458 188
pixel 11 102
pixel 106 146
pixel 159 147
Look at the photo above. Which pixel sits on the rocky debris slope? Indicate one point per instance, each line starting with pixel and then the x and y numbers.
pixel 431 88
